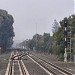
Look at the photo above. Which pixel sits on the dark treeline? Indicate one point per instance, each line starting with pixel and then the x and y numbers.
pixel 40 43
pixel 54 44
pixel 6 30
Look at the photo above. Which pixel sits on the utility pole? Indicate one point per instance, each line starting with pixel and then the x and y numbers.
pixel 34 48
pixel 36 34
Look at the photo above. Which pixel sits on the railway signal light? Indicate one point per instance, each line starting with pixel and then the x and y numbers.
pixel 65 34
pixel 65 23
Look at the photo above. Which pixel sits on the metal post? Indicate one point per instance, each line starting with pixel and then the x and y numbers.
pixel 36 42
pixel 70 43
pixel 65 34
pixel 65 56
pixel 36 38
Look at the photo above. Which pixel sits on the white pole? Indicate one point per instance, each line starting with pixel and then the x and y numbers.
pixel 65 54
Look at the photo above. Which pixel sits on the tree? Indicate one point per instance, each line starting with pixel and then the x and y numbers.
pixel 55 26
pixel 44 43
pixel 31 44
pixel 47 42
pixel 6 29
pixel 59 36
pixel 38 42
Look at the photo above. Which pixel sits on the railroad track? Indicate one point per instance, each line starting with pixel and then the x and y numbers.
pixel 55 70
pixel 16 66
pixel 50 68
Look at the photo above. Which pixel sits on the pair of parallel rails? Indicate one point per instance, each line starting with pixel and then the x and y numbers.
pixel 35 58
pixel 41 61
pixel 12 61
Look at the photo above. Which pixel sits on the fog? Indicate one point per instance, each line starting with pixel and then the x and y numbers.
pixel 28 14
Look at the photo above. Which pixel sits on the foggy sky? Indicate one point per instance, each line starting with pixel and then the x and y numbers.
pixel 29 13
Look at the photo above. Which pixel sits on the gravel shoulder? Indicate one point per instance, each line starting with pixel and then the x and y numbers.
pixel 32 67
pixel 4 59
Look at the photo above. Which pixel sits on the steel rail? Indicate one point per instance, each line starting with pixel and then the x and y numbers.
pixel 57 67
